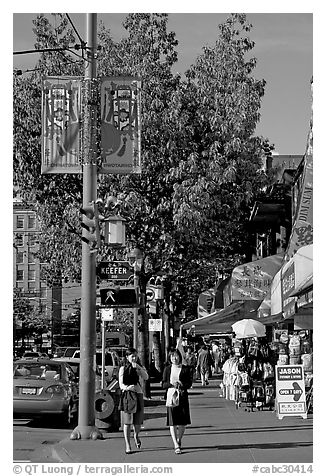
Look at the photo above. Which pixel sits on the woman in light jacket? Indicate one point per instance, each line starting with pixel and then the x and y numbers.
pixel 178 376
pixel 129 379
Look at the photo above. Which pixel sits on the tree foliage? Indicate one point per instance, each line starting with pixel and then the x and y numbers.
pixel 201 163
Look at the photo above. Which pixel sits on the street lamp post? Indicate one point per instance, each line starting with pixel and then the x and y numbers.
pixel 135 259
pixel 86 428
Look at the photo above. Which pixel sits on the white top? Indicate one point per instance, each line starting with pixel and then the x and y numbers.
pixel 141 371
pixel 175 372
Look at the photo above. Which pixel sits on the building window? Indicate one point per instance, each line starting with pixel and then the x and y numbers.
pixel 20 221
pixel 31 257
pixel 32 239
pixel 31 273
pixel 19 257
pixel 19 240
pixel 43 293
pixel 31 221
pixel 31 285
pixel 42 307
pixel 19 275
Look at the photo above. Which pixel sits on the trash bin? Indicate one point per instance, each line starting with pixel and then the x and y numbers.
pixel 107 414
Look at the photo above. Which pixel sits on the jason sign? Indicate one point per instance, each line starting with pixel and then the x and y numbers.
pixel 290 391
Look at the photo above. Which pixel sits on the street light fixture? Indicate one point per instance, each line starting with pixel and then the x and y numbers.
pixel 115 231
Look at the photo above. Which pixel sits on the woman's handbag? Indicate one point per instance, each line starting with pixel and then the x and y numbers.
pixel 128 401
pixel 172 397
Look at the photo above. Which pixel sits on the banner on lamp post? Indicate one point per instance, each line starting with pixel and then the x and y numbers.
pixel 120 125
pixel 61 125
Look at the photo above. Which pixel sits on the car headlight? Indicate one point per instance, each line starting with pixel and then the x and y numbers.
pixel 57 390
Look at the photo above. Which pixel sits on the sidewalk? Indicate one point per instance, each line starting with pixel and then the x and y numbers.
pixel 219 433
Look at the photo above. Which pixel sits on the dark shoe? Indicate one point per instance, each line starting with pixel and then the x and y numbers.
pixel 138 444
pixel 207 383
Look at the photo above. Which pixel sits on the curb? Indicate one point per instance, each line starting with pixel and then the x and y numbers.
pixel 53 453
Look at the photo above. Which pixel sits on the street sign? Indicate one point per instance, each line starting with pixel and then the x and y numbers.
pixel 107 314
pixel 290 391
pixel 119 297
pixel 155 324
pixel 117 270
pixel 150 294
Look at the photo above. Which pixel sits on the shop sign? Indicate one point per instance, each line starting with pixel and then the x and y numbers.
pixel 288 285
pixel 252 281
pixel 290 391
pixel 302 231
pixel 155 324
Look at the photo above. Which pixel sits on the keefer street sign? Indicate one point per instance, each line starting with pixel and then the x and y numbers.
pixel 112 270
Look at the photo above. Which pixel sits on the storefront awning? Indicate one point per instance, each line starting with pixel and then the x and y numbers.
pixel 304 287
pixel 295 278
pixel 222 320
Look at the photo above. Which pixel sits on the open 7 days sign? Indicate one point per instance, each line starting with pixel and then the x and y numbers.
pixel 290 391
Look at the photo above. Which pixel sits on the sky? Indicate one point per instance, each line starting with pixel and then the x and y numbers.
pixel 283 48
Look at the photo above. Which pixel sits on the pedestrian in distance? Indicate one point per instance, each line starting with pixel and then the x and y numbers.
pixel 191 361
pixel 179 377
pixel 130 376
pixel 204 363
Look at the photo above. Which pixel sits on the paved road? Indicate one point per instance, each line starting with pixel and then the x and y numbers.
pixel 31 434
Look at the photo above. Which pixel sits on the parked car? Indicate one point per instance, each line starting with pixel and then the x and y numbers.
pixel 34 355
pixel 64 351
pixel 44 387
pixel 112 362
pixel 74 364
pixel 121 351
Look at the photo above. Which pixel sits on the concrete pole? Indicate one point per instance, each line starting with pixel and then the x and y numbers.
pixel 135 319
pixel 86 428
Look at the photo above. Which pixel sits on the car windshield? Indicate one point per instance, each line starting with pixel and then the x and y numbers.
pixel 31 354
pixel 108 359
pixel 37 370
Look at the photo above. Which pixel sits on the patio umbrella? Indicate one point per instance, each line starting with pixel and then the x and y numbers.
pixel 249 328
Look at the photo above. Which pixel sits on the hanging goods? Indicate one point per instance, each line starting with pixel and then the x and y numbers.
pixel 294 346
pixel 268 371
pixel 269 395
pixel 258 394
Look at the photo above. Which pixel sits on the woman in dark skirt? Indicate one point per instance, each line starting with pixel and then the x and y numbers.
pixel 178 376
pixel 129 379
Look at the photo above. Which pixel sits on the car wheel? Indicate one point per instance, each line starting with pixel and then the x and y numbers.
pixel 68 416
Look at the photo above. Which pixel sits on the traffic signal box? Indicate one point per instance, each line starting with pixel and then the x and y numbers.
pixel 119 297
pixel 92 225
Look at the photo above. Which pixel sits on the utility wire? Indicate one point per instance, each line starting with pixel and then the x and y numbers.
pixel 82 42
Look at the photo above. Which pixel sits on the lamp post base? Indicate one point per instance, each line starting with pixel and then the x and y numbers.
pixel 86 433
